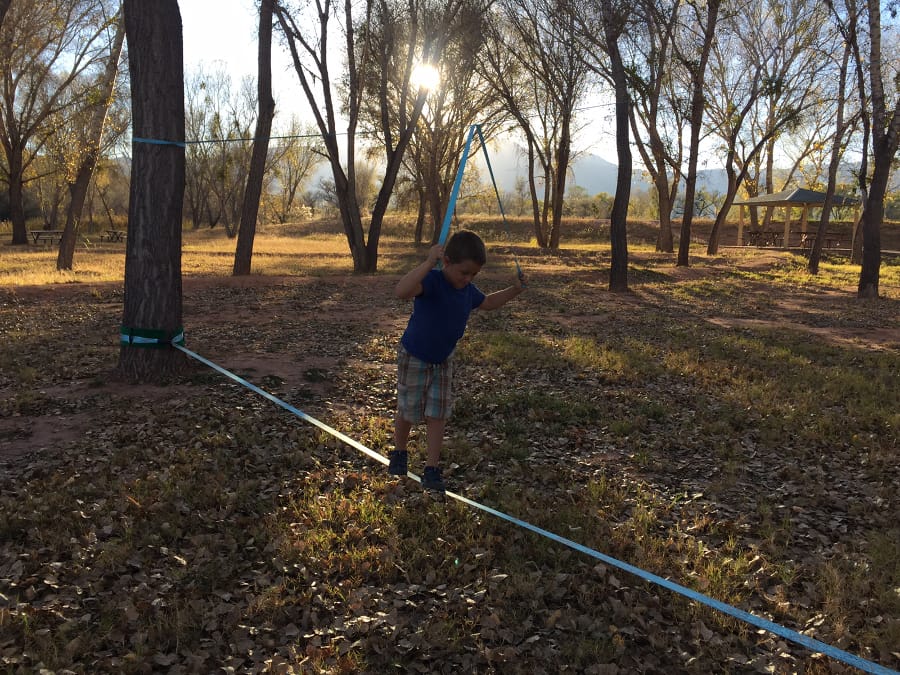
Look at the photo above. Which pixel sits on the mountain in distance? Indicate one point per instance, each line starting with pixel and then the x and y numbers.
pixel 590 172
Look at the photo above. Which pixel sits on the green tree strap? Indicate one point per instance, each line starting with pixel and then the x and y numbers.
pixel 153 339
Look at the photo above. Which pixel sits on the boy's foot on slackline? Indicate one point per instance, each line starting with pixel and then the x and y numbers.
pixel 398 462
pixel 432 481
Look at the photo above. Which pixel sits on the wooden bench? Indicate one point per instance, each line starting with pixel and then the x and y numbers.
pixel 113 235
pixel 49 237
pixel 764 237
pixel 832 239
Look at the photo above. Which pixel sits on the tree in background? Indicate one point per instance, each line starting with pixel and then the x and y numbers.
pixel 603 29
pixel 266 112
pixel 45 50
pixel 153 294
pixel 762 60
pixel 884 121
pixel 295 153
pixel 693 49
pixel 308 31
pixel 462 99
pixel 221 117
pixel 540 73
pixel 810 128
pixel 843 126
pixel 90 142
pixel 659 110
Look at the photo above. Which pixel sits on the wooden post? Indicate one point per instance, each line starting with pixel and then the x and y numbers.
pixel 804 218
pixel 740 237
pixel 856 220
pixel 787 226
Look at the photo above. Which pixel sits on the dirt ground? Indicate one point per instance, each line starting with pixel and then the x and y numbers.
pixel 326 344
pixel 368 300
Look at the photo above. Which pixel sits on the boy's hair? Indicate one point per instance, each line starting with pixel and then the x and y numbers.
pixel 465 245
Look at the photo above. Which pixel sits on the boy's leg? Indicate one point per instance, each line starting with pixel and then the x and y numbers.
pixel 402 427
pixel 398 457
pixel 409 400
pixel 431 477
pixel 434 434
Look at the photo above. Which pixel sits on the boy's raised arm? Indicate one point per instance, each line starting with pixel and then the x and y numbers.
pixel 410 285
pixel 500 298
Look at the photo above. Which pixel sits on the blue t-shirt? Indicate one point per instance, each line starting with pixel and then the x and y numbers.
pixel 439 317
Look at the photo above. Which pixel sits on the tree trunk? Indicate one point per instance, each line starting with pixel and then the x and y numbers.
pixel 664 241
pixel 618 273
pixel 153 294
pixel 77 193
pixel 539 234
pixel 733 179
pixel 873 216
pixel 253 191
pixel 17 198
pixel 420 215
pixel 559 186
pixel 698 75
pixel 79 188
pixel 885 140
pixel 840 128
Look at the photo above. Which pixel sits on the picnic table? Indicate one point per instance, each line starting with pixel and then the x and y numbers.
pixel 832 240
pixel 114 235
pixel 763 237
pixel 50 237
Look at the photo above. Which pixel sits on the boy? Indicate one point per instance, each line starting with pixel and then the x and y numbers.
pixel 443 300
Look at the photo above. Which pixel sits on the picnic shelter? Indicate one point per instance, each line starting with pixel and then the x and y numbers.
pixel 789 199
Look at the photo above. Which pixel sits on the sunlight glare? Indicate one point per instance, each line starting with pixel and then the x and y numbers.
pixel 425 76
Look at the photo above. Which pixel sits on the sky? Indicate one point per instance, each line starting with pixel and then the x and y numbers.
pixel 223 33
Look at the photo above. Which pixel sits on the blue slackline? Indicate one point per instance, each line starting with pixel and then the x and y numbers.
pixel 454 193
pixel 758 622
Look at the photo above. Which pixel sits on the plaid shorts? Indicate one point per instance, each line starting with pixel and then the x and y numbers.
pixel 423 389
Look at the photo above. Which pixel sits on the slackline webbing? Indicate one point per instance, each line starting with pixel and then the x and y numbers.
pixel 454 193
pixel 764 624
pixel 149 337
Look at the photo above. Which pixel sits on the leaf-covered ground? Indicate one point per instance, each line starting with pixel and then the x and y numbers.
pixel 732 427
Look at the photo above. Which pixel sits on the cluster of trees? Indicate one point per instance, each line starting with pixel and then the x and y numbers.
pixel 800 83
pixel 760 81
pixel 65 115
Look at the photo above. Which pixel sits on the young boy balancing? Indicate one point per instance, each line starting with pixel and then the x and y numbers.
pixel 443 300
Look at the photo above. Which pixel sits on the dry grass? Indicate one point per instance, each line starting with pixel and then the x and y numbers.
pixel 725 426
pixel 318 248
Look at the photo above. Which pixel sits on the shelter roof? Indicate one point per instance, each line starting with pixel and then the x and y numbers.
pixel 795 197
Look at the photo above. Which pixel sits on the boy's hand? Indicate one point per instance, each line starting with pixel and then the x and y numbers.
pixel 520 280
pixel 435 253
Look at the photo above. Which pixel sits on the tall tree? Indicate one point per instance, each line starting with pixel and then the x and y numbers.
pixel 767 59
pixel 308 28
pixel 696 60
pixel 885 129
pixel 842 125
pixel 460 99
pixel 93 140
pixel 541 75
pixel 153 293
pixel 253 191
pixel 45 48
pixel 603 28
pixel 657 116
